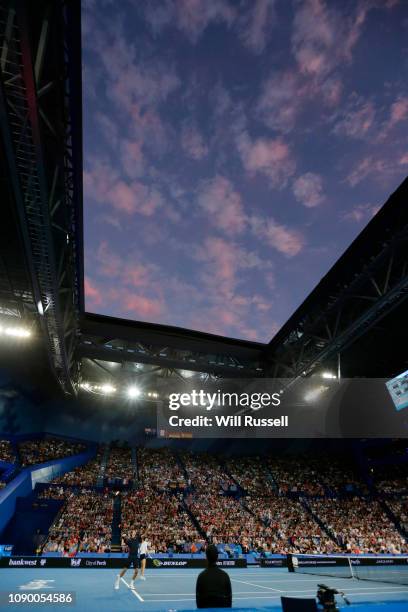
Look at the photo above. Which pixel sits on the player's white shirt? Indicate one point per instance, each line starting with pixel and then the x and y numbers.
pixel 143 547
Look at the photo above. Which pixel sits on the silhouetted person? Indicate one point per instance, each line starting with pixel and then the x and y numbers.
pixel 38 541
pixel 213 588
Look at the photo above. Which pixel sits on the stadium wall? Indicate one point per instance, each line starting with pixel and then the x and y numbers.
pixel 24 483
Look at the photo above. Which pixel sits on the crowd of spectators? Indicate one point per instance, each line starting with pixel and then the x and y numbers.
pixel 399 507
pixel 224 519
pixel 251 474
pixel 392 478
pixel 339 476
pixel 205 473
pixel 161 518
pixel 120 465
pixel 83 525
pixel 264 524
pixel 297 474
pixel 315 475
pixel 359 525
pixel 85 475
pixel 39 451
pixel 286 506
pixel 6 451
pixel 160 470
pixel 289 527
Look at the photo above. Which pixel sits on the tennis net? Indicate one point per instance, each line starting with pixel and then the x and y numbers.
pixel 380 568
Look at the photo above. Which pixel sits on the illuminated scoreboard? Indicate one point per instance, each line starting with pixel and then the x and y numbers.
pixel 398 389
pixel 6 550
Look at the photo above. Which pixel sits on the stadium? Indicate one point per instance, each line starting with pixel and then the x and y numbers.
pixel 140 400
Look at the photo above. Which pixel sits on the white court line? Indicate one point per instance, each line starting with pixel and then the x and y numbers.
pixel 135 593
pixel 376 592
pixel 147 595
pixel 359 590
pixel 259 586
pixel 233 598
pixel 263 596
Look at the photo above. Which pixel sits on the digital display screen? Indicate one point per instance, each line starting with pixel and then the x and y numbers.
pixel 398 389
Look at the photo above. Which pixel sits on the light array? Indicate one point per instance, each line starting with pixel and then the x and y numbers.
pixel 313 394
pixel 14 331
pixel 328 375
pixel 131 392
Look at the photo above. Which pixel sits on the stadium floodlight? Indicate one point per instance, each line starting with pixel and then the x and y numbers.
pixel 313 394
pixel 16 332
pixel 133 392
pixel 328 375
pixel 85 386
pixel 187 373
pixel 107 388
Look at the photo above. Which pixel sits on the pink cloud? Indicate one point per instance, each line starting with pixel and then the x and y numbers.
pixel 98 179
pixel 287 241
pixel 93 295
pixel 130 79
pixel 357 119
pixel 223 204
pixel 148 128
pixel 109 129
pixel 260 303
pixel 267 156
pixel 192 142
pixel 129 272
pixel 222 263
pixel 323 38
pixel 132 158
pixel 399 111
pixel 363 169
pixel 109 263
pixel 398 114
pixel 380 169
pixel 137 275
pixel 285 95
pixel 404 160
pixel 251 334
pixel 191 17
pixel 142 307
pixel 308 190
pixel 331 89
pixel 102 184
pixel 194 16
pixel 282 98
pixel 257 25
pixel 360 212
pixel 122 197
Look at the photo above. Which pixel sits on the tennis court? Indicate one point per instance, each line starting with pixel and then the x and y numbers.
pixel 174 589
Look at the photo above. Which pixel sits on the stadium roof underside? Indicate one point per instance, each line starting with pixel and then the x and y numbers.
pixel 41 132
pixel 354 312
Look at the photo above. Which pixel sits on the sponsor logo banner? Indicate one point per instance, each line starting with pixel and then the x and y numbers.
pixel 95 563
pixel 273 562
pixel 193 563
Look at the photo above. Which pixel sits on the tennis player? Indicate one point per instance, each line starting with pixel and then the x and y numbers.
pixel 133 544
pixel 143 555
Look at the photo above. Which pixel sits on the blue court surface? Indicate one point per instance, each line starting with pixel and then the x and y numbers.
pixel 174 590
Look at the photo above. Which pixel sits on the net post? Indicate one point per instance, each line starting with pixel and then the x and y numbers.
pixel 289 561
